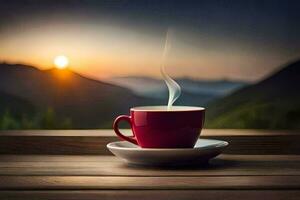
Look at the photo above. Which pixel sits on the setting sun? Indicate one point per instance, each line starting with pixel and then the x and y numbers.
pixel 61 62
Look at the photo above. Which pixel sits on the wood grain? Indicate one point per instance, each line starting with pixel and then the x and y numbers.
pixel 152 194
pixel 224 165
pixel 148 183
pixel 229 177
pixel 74 142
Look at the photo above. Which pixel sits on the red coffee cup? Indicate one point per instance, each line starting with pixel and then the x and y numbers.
pixel 158 127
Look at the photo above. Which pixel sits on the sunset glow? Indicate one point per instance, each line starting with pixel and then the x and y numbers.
pixel 102 39
pixel 61 62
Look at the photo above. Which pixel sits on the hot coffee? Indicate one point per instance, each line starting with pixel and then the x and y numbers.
pixel 160 127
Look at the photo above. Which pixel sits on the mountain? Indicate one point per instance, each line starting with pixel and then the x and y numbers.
pixel 194 92
pixel 85 102
pixel 273 103
pixel 33 98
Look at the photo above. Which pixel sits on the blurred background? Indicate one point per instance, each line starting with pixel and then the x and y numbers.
pixel 77 64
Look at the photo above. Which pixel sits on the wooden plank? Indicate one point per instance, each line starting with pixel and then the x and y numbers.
pixel 147 183
pixel 94 141
pixel 54 145
pixel 152 194
pixel 224 165
pixel 110 132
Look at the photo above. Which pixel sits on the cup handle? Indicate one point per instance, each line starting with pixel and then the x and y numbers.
pixel 116 128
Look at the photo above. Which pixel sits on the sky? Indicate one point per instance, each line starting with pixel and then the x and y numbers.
pixel 239 40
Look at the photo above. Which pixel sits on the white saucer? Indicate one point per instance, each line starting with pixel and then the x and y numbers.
pixel 204 150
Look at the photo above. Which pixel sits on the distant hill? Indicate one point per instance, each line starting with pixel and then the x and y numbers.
pixel 87 103
pixel 34 98
pixel 194 92
pixel 273 103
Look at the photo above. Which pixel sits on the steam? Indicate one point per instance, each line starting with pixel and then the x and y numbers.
pixel 173 87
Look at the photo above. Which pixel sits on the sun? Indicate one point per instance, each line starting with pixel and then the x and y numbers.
pixel 61 62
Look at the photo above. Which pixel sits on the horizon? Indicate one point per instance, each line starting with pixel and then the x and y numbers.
pixel 276 69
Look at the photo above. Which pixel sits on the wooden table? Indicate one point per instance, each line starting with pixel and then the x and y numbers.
pixel 103 176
